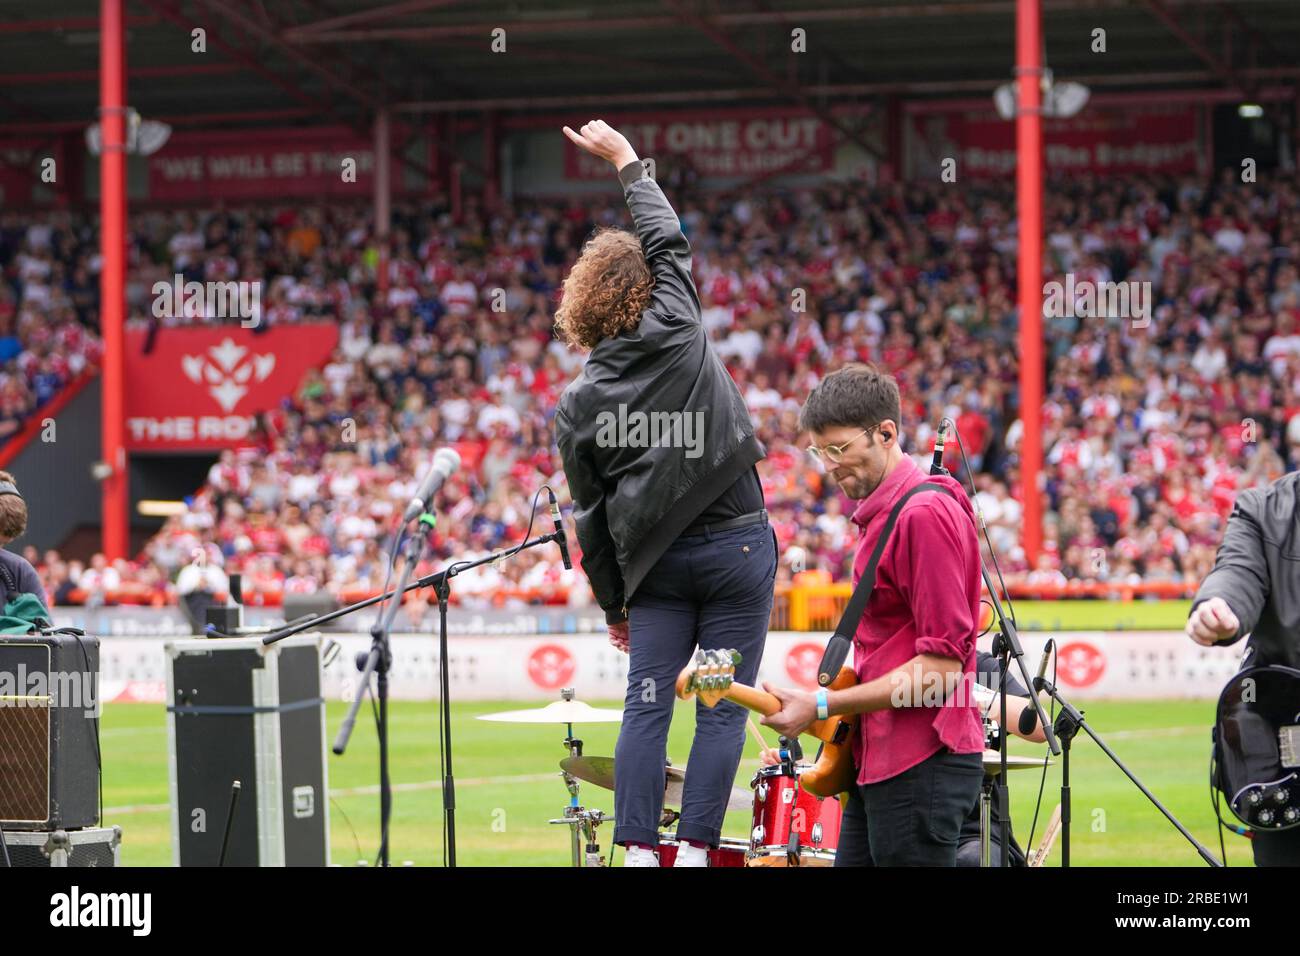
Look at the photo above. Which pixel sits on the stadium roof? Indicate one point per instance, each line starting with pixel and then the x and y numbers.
pixel 291 62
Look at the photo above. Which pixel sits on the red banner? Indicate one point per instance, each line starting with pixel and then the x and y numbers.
pixel 198 388
pixel 322 161
pixel 1134 139
pixel 724 142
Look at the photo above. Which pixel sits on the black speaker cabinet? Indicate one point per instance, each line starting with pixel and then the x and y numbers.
pixel 239 710
pixel 49 732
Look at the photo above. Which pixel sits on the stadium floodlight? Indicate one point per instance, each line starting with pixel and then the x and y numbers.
pixel 143 137
pixel 1060 100
pixel 1066 99
pixel 1005 99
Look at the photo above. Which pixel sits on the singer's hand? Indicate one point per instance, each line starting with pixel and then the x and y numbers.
pixel 601 139
pixel 1212 622
pixel 620 635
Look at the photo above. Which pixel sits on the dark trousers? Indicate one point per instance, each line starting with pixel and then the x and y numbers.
pixel 913 818
pixel 713 591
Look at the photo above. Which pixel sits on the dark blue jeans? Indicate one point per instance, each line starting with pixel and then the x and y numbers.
pixel 914 818
pixel 712 591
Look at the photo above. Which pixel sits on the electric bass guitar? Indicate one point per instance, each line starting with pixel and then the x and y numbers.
pixel 711 677
pixel 1256 760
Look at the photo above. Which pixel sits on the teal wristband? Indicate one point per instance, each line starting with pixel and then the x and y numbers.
pixel 823 706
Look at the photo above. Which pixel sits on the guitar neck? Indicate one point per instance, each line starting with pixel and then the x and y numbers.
pixel 756 700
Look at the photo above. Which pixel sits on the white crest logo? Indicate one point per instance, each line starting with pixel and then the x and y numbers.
pixel 227 370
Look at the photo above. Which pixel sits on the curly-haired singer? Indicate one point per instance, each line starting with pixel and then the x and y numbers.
pixel 659 452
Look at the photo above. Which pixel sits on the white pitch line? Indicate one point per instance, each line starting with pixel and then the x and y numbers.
pixel 1154 732
pixel 369 790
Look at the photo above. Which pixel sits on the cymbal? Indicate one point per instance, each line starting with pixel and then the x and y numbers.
pixel 597 770
pixel 558 712
pixel 993 762
pixel 600 771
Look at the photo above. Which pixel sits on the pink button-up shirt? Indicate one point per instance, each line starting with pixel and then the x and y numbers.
pixel 926 601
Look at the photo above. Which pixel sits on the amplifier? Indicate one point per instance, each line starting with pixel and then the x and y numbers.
pixel 49 732
pixel 97 846
pixel 240 710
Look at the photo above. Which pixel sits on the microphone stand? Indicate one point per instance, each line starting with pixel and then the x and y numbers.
pixel 1006 645
pixel 1068 724
pixel 379 660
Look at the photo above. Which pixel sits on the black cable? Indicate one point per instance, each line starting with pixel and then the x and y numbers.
pixel 1214 801
pixel 451 571
pixel 1051 712
pixel 346 819
pixel 1006 594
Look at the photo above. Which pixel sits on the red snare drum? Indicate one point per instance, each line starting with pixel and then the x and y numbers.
pixel 789 819
pixel 729 853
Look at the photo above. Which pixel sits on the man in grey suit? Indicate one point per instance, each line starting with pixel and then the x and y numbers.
pixel 1254 589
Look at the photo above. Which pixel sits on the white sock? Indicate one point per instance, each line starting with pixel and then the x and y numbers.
pixel 688 855
pixel 640 856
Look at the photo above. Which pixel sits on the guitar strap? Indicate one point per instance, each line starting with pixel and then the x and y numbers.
pixel 841 642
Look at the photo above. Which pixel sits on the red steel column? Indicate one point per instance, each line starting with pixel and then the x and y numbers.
pixel 112 277
pixel 1029 204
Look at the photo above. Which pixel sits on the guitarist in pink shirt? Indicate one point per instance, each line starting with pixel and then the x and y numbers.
pixel 918 738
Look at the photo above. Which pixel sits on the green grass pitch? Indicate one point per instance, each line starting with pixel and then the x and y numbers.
pixel 508 786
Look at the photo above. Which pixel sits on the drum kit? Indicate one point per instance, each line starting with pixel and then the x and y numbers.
pixel 789 826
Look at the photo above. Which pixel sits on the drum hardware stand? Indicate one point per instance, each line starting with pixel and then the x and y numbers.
pixel 791 752
pixel 992 741
pixel 1068 723
pixel 581 821
pixel 986 797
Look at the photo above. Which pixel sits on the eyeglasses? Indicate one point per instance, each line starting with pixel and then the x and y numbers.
pixel 835 453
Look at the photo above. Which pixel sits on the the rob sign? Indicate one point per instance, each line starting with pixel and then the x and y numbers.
pixel 199 388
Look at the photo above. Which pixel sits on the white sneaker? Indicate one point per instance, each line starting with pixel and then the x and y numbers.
pixel 640 856
pixel 688 855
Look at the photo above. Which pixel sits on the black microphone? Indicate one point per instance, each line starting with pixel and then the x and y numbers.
pixel 1029 716
pixel 936 467
pixel 445 464
pixel 560 538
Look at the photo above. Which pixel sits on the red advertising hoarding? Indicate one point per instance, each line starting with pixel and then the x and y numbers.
pixel 723 142
pixel 198 388
pixel 292 163
pixel 1102 141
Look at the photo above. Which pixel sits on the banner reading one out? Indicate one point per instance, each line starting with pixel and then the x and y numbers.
pixel 198 388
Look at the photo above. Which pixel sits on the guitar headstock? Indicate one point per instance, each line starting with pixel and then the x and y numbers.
pixel 709 675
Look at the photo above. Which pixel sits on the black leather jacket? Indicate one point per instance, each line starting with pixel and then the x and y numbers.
pixel 632 497
pixel 1257 571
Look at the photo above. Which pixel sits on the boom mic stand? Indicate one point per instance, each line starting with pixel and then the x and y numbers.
pixel 1068 724
pixel 379 660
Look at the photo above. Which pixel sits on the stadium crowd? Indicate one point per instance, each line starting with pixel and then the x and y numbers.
pixel 1150 425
